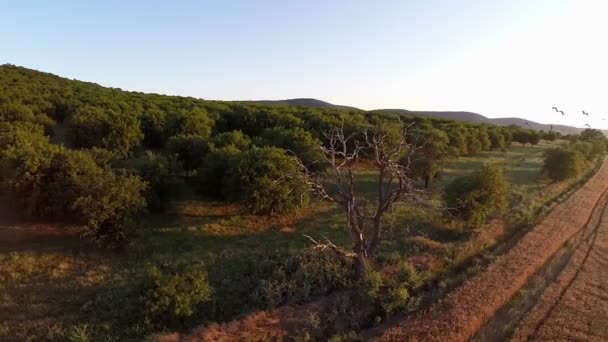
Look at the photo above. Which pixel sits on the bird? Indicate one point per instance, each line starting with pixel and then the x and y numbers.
pixel 587 125
pixel 561 111
pixel 555 109
pixel 585 113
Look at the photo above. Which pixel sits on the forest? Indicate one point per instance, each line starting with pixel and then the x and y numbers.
pixel 190 213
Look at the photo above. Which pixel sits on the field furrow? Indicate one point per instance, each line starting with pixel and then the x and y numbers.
pixel 460 315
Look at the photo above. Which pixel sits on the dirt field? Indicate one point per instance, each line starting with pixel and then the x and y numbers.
pixel 575 305
pixel 460 315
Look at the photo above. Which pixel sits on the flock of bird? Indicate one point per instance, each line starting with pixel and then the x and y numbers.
pixel 562 112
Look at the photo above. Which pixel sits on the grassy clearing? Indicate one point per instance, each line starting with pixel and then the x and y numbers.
pixel 49 286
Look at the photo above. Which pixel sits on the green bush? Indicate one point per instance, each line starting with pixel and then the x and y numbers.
pixel 162 175
pixel 190 150
pixel 266 180
pixel 563 163
pixel 297 141
pixel 477 196
pixel 175 294
pixel 233 138
pixel 96 127
pixel 210 178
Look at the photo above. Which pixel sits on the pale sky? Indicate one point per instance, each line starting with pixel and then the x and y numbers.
pixel 497 58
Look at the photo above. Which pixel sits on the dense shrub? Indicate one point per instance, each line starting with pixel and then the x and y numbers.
pixel 211 177
pixel 161 173
pixel 297 141
pixel 266 180
pixel 96 127
pixel 479 195
pixel 189 149
pixel 51 182
pixel 195 122
pixel 562 163
pixel 233 138
pixel 246 280
pixel 153 127
pixel 175 294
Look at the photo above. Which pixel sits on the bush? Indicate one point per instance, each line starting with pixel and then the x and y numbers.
pixel 266 180
pixel 175 294
pixel 234 138
pixel 479 195
pixel 195 122
pixel 562 163
pixel 191 150
pixel 297 141
pixel 210 178
pixel 96 127
pixel 162 175
pixel 51 182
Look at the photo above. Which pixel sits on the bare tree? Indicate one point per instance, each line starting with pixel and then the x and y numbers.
pixel 392 152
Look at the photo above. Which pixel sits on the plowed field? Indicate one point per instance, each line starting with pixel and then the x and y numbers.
pixel 576 305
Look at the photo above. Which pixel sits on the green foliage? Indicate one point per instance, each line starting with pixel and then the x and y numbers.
pixel 189 149
pixel 497 139
pixel 267 181
pixel 433 150
pixel 479 195
pixel 381 295
pixel 153 127
pixel 195 122
pixel 95 127
pixel 235 138
pixel 296 140
pixel 211 177
pixel 563 163
pixel 161 173
pixel 175 294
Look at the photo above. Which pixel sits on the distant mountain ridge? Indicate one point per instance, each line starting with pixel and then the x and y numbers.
pixel 448 115
pixel 301 102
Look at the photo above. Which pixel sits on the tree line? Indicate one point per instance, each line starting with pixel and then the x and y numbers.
pixel 97 156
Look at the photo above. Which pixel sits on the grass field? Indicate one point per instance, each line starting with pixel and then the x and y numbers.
pixel 55 286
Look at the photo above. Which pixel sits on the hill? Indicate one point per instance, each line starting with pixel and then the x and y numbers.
pixel 301 102
pixel 447 115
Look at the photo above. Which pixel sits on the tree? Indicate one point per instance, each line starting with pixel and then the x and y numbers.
pixel 534 137
pixel 266 180
pixel 161 173
pixel 497 139
pixel 97 127
pixel 394 183
pixel 190 150
pixel 211 177
pixel 479 195
pixel 433 149
pixel 297 141
pixel 562 163
pixel 235 138
pixel 153 125
pixel 193 122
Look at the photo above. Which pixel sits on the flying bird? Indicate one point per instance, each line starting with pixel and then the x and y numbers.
pixel 561 111
pixel 585 113
pixel 555 109
pixel 587 125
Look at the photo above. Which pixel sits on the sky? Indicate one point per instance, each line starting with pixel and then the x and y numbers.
pixel 515 58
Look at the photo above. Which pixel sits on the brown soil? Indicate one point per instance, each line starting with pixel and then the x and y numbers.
pixel 575 306
pixel 466 309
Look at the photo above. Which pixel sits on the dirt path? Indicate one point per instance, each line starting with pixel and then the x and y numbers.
pixel 464 311
pixel 575 305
